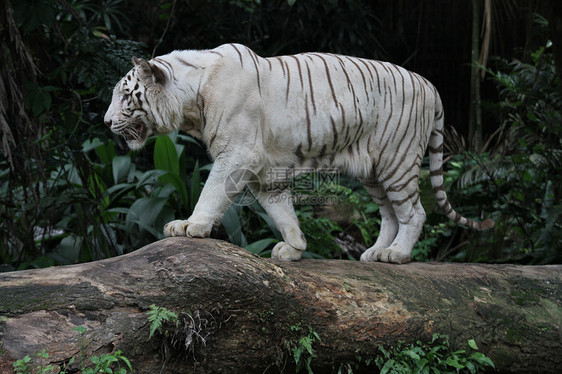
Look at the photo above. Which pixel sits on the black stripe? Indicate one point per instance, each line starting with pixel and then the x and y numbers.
pixel 378 77
pixel 281 62
pixel 334 133
pixel 255 60
pixel 288 81
pixel 182 61
pixel 311 89
pixel 396 188
pixel 382 151
pixel 308 124
pixel 360 71
pixel 239 54
pixel 404 132
pixel 167 65
pixel 406 199
pixel 436 150
pixel 300 70
pixel 328 76
pixel 299 154
pixel 322 151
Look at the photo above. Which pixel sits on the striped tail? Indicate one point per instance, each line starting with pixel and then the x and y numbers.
pixel 436 173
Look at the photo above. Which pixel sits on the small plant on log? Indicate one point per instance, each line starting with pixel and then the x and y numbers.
pixel 157 316
pixel 182 332
pixel 103 363
pixel 22 366
pixel 301 349
pixel 435 357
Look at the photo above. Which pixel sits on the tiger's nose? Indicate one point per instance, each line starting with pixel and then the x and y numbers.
pixel 108 123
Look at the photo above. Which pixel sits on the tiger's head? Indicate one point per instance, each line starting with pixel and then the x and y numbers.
pixel 135 111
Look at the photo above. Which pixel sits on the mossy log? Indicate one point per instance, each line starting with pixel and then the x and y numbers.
pixel 238 312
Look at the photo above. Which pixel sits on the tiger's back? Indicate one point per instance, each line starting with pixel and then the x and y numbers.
pixel 334 110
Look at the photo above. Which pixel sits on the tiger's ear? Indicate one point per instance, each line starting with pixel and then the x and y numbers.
pixel 150 73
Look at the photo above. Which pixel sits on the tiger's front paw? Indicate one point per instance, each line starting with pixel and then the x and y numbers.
pixel 187 228
pixel 285 252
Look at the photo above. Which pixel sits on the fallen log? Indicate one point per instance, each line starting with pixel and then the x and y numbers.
pixel 241 313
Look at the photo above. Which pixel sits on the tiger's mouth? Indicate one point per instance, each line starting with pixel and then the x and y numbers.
pixel 135 134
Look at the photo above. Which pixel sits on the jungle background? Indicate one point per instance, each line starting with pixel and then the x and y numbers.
pixel 70 191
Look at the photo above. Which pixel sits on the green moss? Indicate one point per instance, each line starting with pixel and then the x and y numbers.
pixel 511 335
pixel 524 298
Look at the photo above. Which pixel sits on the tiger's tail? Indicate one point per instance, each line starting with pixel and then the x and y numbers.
pixel 436 174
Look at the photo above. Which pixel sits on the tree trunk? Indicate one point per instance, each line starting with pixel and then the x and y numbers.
pixel 239 312
pixel 475 113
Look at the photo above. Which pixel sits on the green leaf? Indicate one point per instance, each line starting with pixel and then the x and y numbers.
pixel 106 152
pixel 471 368
pixel 206 167
pixel 80 329
pixel 259 246
pixel 69 248
pixel 472 344
pixel 179 186
pixel 454 363
pixel 98 190
pixel 271 225
pixel 187 138
pixel 127 362
pixel 149 177
pixel 527 176
pixel 146 209
pixel 387 366
pixel 195 186
pixel 481 359
pixel 156 315
pixel 233 227
pixel 41 102
pixel 166 156
pixel 88 145
pixel 43 354
pixel 120 166
pixel 297 352
pixel 410 353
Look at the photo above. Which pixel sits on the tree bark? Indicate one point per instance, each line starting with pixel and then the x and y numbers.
pixel 238 312
pixel 475 110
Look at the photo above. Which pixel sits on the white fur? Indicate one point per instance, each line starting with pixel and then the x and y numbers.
pixel 373 120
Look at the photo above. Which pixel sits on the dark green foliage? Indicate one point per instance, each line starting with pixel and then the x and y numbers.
pixel 521 178
pixel 57 205
pixel 435 357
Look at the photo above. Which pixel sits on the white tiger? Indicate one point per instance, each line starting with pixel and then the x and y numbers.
pixel 373 120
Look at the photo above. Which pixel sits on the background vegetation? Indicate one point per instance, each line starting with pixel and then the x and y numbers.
pixel 70 191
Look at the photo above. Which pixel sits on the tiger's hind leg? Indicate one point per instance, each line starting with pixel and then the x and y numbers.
pixel 410 216
pixel 389 223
